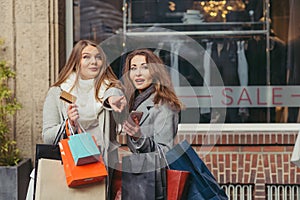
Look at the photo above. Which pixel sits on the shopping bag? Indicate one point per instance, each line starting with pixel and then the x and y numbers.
pixel 296 152
pixel 142 177
pixel 80 175
pixel 49 151
pixel 51 184
pixel 177 184
pixel 177 180
pixel 203 185
pixel 116 183
pixel 83 148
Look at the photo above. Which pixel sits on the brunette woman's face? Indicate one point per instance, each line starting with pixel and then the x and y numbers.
pixel 139 73
pixel 90 63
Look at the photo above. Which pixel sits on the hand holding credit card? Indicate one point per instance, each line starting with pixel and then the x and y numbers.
pixel 67 97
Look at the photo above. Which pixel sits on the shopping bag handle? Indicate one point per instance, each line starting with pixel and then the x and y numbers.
pixel 81 128
pixel 70 131
pixel 60 132
pixel 162 154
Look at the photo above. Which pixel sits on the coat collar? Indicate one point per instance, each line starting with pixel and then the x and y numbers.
pixel 145 107
pixel 68 84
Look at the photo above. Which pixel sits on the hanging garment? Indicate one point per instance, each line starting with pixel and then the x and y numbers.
pixel 175 47
pixel 206 66
pixel 158 49
pixel 243 75
pixel 242 63
pixel 293 58
pixel 256 57
pixel 225 57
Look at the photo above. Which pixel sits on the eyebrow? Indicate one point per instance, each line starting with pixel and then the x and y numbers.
pixel 83 53
pixel 141 64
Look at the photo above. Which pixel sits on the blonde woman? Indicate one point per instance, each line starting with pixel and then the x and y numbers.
pixel 89 78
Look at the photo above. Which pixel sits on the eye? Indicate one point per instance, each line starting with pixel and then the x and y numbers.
pixel 86 57
pixel 145 67
pixel 98 57
pixel 133 68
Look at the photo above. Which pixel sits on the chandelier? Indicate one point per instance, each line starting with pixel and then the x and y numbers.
pixel 216 11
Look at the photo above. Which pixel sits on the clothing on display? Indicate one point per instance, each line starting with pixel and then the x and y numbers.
pixel 293 59
pixel 224 54
pixel 238 61
pixel 243 75
pixel 175 47
pixel 207 73
pixel 256 57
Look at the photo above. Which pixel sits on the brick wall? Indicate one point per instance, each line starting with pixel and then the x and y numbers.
pixel 243 157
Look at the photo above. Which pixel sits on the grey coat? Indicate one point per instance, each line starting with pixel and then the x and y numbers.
pixel 158 127
pixel 55 111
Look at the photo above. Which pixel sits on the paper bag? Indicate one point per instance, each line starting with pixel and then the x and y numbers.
pixel 203 185
pixel 51 184
pixel 177 184
pixel 83 148
pixel 139 176
pixel 80 175
pixel 296 152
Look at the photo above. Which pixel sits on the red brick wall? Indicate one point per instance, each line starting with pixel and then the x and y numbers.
pixel 257 158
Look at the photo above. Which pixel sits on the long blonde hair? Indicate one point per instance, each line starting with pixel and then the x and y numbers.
pixel 106 75
pixel 161 80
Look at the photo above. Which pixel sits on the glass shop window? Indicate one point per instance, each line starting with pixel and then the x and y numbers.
pixel 232 61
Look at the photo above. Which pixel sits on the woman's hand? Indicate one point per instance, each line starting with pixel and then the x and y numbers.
pixel 73 114
pixel 117 103
pixel 132 129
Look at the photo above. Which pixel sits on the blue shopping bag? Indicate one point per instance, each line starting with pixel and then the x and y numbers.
pixel 83 148
pixel 202 185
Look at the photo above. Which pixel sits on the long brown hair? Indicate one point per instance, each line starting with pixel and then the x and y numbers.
pixel 164 90
pixel 105 76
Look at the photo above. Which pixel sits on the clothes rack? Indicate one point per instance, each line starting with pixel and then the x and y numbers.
pixel 201 32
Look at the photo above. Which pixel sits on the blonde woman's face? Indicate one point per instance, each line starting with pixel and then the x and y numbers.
pixel 91 62
pixel 139 73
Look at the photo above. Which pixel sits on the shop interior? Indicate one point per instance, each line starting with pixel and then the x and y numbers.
pixel 251 42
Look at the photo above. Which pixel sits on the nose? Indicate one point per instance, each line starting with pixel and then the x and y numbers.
pixel 138 71
pixel 93 60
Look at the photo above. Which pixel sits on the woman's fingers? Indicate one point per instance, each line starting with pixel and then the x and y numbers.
pixel 117 103
pixel 122 103
pixel 73 114
pixel 130 129
pixel 127 128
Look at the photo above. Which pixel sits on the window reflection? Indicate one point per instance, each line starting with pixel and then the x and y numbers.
pixel 264 59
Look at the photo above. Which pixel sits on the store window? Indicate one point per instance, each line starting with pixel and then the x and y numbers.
pixel 232 61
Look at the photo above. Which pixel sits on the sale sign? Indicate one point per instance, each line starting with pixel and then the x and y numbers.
pixel 232 96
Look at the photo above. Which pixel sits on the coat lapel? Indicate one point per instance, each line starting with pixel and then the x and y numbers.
pixel 145 107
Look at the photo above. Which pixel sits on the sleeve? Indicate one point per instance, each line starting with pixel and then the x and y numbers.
pixel 52 116
pixel 111 92
pixel 161 131
pixel 118 117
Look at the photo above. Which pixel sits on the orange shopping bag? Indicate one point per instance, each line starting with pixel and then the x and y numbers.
pixel 84 174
